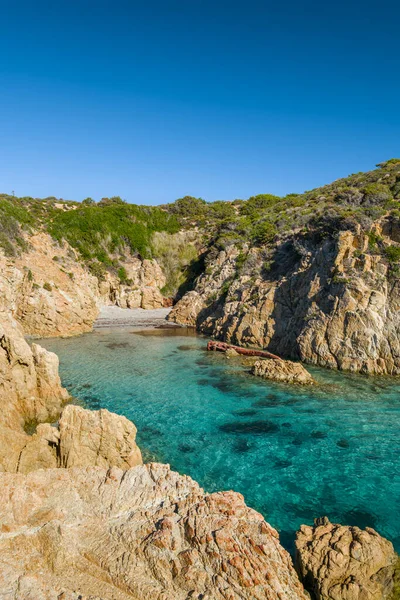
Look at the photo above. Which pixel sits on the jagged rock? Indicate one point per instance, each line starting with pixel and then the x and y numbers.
pixel 30 390
pixel 97 438
pixel 142 534
pixel 146 279
pixel 327 302
pixel 53 294
pixel 187 310
pixel 336 562
pixel 152 298
pixel 282 370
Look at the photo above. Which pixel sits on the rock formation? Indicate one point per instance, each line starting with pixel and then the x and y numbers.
pixel 97 438
pixel 282 370
pixel 30 390
pixel 329 302
pixel 32 397
pixel 48 290
pixel 336 562
pixel 146 279
pixel 83 438
pixel 142 534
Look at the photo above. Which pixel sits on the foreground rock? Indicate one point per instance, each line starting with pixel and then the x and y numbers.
pixel 30 390
pixel 146 533
pixel 282 370
pixel 337 562
pixel 83 438
pixel 32 396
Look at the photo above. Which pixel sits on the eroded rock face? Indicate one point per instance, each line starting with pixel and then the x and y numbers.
pixel 336 562
pixel 31 393
pixel 146 279
pixel 47 289
pixel 97 438
pixel 30 390
pixel 282 370
pixel 83 438
pixel 328 302
pixel 143 534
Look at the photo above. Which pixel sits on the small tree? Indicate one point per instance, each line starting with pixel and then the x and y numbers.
pixel 88 202
pixel 111 201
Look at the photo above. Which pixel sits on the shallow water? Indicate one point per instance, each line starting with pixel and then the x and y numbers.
pixel 294 453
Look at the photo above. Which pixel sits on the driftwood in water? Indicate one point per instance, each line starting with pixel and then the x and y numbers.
pixel 223 347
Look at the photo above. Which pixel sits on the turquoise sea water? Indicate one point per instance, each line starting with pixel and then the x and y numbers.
pixel 294 453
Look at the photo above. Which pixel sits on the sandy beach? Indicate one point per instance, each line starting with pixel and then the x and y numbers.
pixel 113 316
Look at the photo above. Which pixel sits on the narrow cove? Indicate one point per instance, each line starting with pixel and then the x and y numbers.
pixel 295 454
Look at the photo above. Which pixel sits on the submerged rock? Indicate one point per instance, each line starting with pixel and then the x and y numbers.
pixel 282 370
pixel 143 534
pixel 336 562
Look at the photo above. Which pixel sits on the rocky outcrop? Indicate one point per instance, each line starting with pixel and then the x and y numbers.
pixel 32 397
pixel 83 438
pixel 143 290
pixel 144 534
pixel 336 562
pixel 97 438
pixel 48 290
pixel 282 370
pixel 188 310
pixel 327 301
pixel 30 390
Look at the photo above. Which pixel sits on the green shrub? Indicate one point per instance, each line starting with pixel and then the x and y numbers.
pixel 189 207
pixel 97 269
pixel 392 254
pixel 264 232
pixel 98 232
pixel 47 287
pixel 122 275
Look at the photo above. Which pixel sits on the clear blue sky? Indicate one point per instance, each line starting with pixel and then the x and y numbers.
pixel 152 100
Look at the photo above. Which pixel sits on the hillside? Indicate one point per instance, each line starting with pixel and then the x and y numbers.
pixel 310 276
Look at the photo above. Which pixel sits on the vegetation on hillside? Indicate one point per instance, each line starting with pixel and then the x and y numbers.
pixel 360 198
pixel 107 232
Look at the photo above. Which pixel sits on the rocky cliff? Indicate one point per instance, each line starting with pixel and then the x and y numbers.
pixel 50 292
pixel 143 534
pixel 47 289
pixel 332 302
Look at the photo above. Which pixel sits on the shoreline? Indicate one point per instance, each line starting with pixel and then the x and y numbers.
pixel 138 318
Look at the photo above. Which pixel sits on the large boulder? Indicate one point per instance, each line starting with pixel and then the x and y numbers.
pixel 187 310
pixel 336 562
pixel 83 438
pixel 143 534
pixel 282 370
pixel 97 438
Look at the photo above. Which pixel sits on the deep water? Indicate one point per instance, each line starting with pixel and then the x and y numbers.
pixel 294 453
